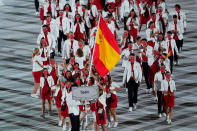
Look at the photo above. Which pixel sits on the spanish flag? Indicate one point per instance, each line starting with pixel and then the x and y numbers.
pixel 106 52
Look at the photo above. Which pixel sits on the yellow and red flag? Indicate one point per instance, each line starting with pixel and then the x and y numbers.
pixel 107 53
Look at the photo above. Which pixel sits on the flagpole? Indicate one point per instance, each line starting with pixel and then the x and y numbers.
pixel 92 56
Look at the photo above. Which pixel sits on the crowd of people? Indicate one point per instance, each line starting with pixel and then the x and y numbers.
pixel 68 30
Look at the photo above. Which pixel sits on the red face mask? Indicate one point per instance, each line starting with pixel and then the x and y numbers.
pixel 63 82
pixel 132 60
pixel 110 10
pixel 106 21
pixel 90 83
pixel 71 36
pixel 67 8
pixel 160 38
pixel 76 67
pixel 132 15
pixel 67 76
pixel 94 34
pixel 78 81
pixel 105 80
pixel 44 30
pixel 161 57
pixel 169 37
pixel 80 45
pixel 91 2
pixel 72 61
pixel 68 86
pixel 85 74
pixel 168 76
pixel 61 14
pixel 83 10
pixel 48 20
pixel 130 47
pixel 162 70
pixel 125 33
pixel 144 44
pixel 176 9
pixel 43 42
pixel 45 73
pixel 78 4
pixel 52 62
pixel 77 17
pixel 154 18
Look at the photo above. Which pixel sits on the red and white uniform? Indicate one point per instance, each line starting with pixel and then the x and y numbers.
pixel 46 84
pixel 78 29
pixel 113 95
pixel 44 54
pixel 176 26
pixel 69 48
pixel 169 87
pixel 126 7
pixel 133 28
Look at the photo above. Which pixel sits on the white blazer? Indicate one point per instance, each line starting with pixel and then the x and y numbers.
pixel 128 72
pixel 164 85
pixel 158 78
pixel 173 46
pixel 49 80
pixel 179 29
pixel 82 27
pixel 58 69
pixel 51 40
pixel 67 48
pixel 54 28
pixel 53 8
pixel 125 56
pixel 102 99
pixel 125 9
pixel 135 26
pixel 36 66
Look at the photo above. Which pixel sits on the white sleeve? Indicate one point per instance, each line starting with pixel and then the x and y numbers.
pixel 39 39
pixel 140 73
pixel 125 75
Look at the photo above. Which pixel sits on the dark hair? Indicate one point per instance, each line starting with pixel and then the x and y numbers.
pixel 43 72
pixel 132 54
pixel 50 13
pixel 44 26
pixel 138 38
pixel 79 19
pixel 144 39
pixel 169 32
pixel 134 17
pixel 174 16
pixel 177 6
pixel 150 24
pixel 70 10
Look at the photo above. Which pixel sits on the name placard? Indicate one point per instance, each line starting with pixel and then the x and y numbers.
pixel 85 93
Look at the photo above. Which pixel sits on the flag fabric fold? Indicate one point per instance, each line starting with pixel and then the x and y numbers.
pixel 106 53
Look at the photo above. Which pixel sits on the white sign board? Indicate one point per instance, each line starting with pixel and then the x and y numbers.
pixel 85 93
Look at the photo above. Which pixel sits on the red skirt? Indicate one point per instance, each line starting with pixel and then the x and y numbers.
pixel 41 14
pixel 46 93
pixel 37 75
pixel 100 121
pixel 65 112
pixel 114 103
pixel 168 101
pixel 143 19
pixel 134 33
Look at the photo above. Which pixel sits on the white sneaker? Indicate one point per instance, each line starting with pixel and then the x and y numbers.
pixel 126 89
pixel 156 99
pixel 69 129
pixel 34 96
pixel 109 125
pixel 130 109
pixel 64 127
pixel 169 121
pixel 135 106
pixel 164 114
pixel 150 90
pixel 115 124
pixel 147 90
pixel 60 123
pixel 159 115
pixel 167 118
pixel 36 13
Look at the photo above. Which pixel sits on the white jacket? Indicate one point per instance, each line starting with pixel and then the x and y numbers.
pixel 135 26
pixel 179 29
pixel 54 28
pixel 82 27
pixel 164 85
pixel 173 46
pixel 125 9
pixel 158 78
pixel 183 20
pixel 128 72
pixel 49 80
pixel 67 48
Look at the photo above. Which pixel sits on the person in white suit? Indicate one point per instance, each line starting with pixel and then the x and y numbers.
pixel 132 77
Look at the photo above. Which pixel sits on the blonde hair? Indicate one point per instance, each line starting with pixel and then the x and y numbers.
pixel 36 50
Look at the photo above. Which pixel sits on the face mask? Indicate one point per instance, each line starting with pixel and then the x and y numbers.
pixel 106 21
pixel 105 80
pixel 80 45
pixel 72 61
pixel 48 20
pixel 130 47
pixel 43 42
pixel 67 76
pixel 110 10
pixel 125 34
pixel 76 67
pixel 44 30
pixel 71 36
pixel 52 62
pixel 77 17
pixel 168 76
pixel 45 73
pixel 78 81
pixel 61 14
pixel 67 8
pixel 85 74
pixel 83 10
pixel 63 82
pixel 132 14
pixel 160 38
pixel 78 4
pixel 169 37
pixel 144 44
pixel 91 2
pixel 154 18
pixel 162 70
pixel 132 60
pixel 90 83
pixel 68 86
pixel 161 57
pixel 94 34
pixel 176 9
